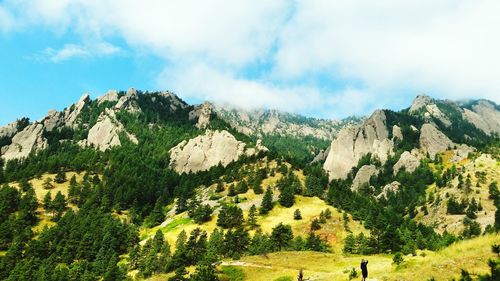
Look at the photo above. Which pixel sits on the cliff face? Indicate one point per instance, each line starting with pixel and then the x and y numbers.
pixel 353 143
pixel 105 133
pixel 23 143
pixel 208 150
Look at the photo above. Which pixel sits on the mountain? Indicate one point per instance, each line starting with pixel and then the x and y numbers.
pixel 143 185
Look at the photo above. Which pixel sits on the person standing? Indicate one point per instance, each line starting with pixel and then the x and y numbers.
pixel 364 269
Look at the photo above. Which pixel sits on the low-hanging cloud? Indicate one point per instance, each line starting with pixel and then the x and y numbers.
pixel 373 51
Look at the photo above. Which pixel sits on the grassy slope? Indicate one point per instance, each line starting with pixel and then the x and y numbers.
pixel 37 183
pixel 438 217
pixel 443 265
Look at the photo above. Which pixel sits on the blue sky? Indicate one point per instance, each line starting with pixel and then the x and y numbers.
pixel 327 59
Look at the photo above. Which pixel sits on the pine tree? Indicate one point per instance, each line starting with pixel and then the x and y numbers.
pixel 281 237
pixel 59 204
pixel 267 201
pixel 156 216
pixel 47 202
pixel 231 190
pixel 287 196
pixel 60 176
pixel 47 184
pixel 220 186
pixel 252 217
pixel 297 215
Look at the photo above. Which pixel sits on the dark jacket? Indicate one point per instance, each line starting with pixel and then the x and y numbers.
pixel 364 269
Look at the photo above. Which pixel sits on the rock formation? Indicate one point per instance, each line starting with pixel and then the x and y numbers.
pixel 105 133
pixel 353 143
pixel 409 160
pixel 420 102
pixel 485 116
pixel 391 187
pixel 53 120
pixel 206 151
pixel 71 114
pixel 396 133
pixel 433 141
pixel 9 130
pixel 202 113
pixel 363 176
pixel 111 96
pixel 129 102
pixel 23 143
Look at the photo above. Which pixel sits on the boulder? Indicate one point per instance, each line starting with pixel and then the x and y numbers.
pixel 410 161
pixel 354 142
pixel 206 151
pixel 433 141
pixel 105 133
pixel 363 176
pixel 25 142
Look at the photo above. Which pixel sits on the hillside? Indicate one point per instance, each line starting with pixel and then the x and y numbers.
pixel 145 186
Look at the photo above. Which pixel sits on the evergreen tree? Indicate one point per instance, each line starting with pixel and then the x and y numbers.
pixel 267 201
pixel 47 202
pixel 252 217
pixel 47 183
pixel 59 204
pixel 204 273
pixel 230 216
pixel 60 176
pixel 231 190
pixel 156 216
pixel 281 237
pixel 287 196
pixel 297 215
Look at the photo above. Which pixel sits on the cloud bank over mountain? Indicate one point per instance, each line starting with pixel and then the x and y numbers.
pixel 326 58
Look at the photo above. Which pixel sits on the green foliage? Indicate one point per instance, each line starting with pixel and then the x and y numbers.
pixel 233 273
pixel 230 216
pixel 267 201
pixel 297 215
pixel 398 258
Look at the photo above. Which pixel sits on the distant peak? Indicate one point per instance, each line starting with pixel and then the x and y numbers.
pixel 420 101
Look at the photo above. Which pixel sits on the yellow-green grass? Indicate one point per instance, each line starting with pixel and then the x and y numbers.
pixel 40 192
pixel 437 214
pixel 471 255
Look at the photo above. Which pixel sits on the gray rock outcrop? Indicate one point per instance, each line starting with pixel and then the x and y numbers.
pixel 25 142
pixel 111 96
pixel 484 116
pixel 353 143
pixel 71 114
pixel 420 102
pixel 206 151
pixel 105 133
pixel 202 113
pixel 53 120
pixel 391 187
pixel 409 160
pixel 129 102
pixel 9 130
pixel 363 176
pixel 433 141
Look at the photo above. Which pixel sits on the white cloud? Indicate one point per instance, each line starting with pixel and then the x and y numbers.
pixel 372 49
pixel 200 81
pixel 70 51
